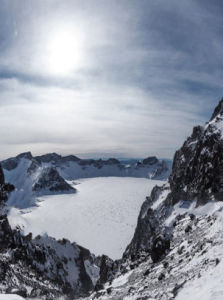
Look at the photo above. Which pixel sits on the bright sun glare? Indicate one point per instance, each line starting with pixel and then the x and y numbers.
pixel 63 52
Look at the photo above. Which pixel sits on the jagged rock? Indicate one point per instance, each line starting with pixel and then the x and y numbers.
pixel 5 188
pixel 160 247
pixel 50 157
pixel 149 229
pixel 12 163
pixel 49 179
pixel 70 158
pixel 150 160
pixel 198 165
pixel 218 110
pixel 108 269
pixel 2 177
pixel 70 165
pixel 161 276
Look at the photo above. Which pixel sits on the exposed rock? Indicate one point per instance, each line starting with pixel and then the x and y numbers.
pixel 149 231
pixel 5 188
pixel 150 160
pixel 50 180
pixel 197 172
pixel 50 157
pixel 108 268
pixel 70 164
pixel 160 248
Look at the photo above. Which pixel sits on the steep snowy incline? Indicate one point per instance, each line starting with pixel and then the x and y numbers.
pixel 177 248
pixel 101 216
pixel 192 268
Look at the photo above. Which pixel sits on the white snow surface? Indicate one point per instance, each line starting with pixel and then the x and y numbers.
pixel 101 216
pixel 207 287
pixel 10 297
pixel 195 262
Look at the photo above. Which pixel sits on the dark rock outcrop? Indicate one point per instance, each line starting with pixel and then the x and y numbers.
pixel 197 175
pixel 108 269
pixel 12 163
pixel 150 160
pixel 150 235
pixel 50 180
pixel 197 172
pixel 50 157
pixel 53 267
pixel 5 188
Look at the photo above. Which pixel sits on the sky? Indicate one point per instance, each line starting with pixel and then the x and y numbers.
pixel 121 78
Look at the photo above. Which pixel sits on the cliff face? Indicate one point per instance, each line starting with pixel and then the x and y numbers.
pixel 178 240
pixel 2 178
pixel 5 188
pixel 196 177
pixel 197 173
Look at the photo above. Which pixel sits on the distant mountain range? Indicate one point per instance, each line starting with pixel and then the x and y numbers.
pixel 51 173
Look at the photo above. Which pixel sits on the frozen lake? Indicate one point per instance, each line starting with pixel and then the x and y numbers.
pixel 101 216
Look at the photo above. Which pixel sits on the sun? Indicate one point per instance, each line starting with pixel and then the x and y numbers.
pixel 63 52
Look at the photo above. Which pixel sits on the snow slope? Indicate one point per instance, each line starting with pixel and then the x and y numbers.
pixel 10 297
pixel 101 216
pixel 192 269
pixel 208 287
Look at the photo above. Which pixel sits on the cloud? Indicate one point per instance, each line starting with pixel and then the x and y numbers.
pixel 148 72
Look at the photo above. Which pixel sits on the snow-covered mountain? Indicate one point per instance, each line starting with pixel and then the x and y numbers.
pixel 176 251
pixel 71 167
pixel 48 174
pixel 31 179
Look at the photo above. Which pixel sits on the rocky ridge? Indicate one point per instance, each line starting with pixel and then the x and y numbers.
pixel 71 167
pixel 54 174
pixel 178 238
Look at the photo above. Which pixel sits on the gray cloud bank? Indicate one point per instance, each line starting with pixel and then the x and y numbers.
pixel 147 72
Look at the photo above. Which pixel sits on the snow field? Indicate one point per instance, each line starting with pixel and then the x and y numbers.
pixel 101 216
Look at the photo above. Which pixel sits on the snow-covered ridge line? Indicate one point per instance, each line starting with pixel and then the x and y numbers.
pixel 51 174
pixel 71 167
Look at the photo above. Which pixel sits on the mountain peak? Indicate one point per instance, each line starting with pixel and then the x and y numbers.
pixel 218 110
pixel 27 155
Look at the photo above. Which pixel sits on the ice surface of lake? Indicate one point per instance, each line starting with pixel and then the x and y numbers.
pixel 101 216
